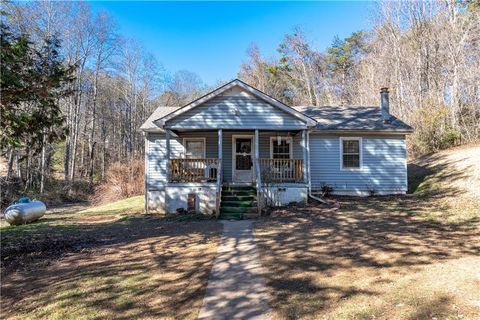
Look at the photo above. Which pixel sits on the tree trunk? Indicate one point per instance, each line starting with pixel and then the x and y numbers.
pixel 28 172
pixel 42 167
pixel 17 166
pixel 68 145
pixel 91 163
pixel 309 85
pixel 10 164
pixel 104 148
pixel 76 122
pixel 94 116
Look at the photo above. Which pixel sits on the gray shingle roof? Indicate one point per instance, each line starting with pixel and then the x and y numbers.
pixel 352 118
pixel 160 112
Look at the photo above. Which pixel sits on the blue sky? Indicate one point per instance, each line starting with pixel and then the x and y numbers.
pixel 211 38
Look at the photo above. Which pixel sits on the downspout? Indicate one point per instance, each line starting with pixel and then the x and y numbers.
pixel 145 171
pixel 309 185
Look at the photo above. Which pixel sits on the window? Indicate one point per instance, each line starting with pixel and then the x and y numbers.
pixel 281 149
pixel 351 153
pixel 194 148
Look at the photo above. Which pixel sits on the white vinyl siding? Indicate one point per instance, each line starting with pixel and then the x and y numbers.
pixel 383 165
pixel 236 112
pixel 156 163
pixel 383 159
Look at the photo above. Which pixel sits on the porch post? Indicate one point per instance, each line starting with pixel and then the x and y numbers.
pixel 257 171
pixel 305 157
pixel 220 153
pixel 309 168
pixel 220 144
pixel 256 155
pixel 167 153
pixel 219 173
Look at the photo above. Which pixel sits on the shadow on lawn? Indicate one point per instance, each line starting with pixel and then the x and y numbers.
pixel 439 170
pixel 382 235
pixel 130 269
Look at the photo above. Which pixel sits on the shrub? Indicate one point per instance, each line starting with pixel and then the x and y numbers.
pixel 326 189
pixel 123 180
pixel 433 131
pixel 56 192
pixel 372 191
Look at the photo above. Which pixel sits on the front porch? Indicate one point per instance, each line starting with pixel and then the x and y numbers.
pixel 204 161
pixel 210 170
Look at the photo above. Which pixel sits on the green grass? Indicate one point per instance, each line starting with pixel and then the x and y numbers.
pixel 423 182
pixel 67 215
pixel 133 205
pixel 62 221
pixel 150 268
pixel 79 301
pixel 11 234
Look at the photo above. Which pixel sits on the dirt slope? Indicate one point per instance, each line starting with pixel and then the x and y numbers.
pixel 449 179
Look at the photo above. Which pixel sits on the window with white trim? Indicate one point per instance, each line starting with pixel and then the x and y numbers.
pixel 281 147
pixel 194 148
pixel 351 149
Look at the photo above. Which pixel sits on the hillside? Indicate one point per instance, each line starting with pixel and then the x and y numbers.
pixel 448 180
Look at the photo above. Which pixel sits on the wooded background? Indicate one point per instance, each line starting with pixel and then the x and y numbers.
pixel 75 91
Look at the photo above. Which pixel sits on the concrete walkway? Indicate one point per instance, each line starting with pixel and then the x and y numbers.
pixel 236 288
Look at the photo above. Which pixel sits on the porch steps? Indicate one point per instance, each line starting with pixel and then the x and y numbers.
pixel 237 193
pixel 238 198
pixel 238 202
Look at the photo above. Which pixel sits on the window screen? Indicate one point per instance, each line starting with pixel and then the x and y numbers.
pixel 243 154
pixel 194 149
pixel 351 153
pixel 281 150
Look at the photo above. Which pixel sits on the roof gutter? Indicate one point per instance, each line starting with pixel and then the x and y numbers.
pixel 371 131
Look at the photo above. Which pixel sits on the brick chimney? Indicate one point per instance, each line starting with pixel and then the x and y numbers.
pixel 384 104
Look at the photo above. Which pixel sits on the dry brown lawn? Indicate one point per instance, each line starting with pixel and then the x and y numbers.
pixel 410 257
pixel 448 182
pixel 107 267
pixel 362 262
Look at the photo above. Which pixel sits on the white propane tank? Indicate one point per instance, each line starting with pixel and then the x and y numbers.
pixel 21 213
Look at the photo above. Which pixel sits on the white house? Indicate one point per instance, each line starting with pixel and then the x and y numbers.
pixel 236 148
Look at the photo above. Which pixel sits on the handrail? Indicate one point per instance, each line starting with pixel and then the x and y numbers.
pixel 219 189
pixel 194 170
pixel 219 176
pixel 281 170
pixel 259 186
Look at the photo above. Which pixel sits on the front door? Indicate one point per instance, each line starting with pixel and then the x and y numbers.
pixel 242 158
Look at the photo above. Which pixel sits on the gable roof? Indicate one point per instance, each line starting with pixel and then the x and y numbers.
pixel 352 118
pixel 272 101
pixel 324 118
pixel 160 112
